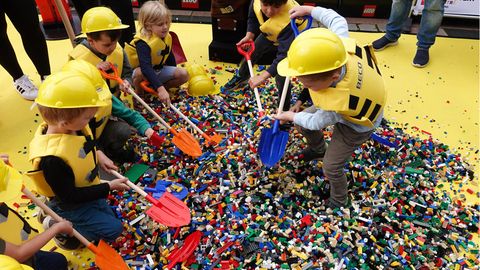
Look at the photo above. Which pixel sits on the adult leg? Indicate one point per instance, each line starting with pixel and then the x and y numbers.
pixel 50 260
pixel 8 59
pixel 81 6
pixel 24 16
pixel 344 141
pixel 398 16
pixel 124 10
pixel 432 16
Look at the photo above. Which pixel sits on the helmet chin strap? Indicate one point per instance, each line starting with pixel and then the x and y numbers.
pixel 343 71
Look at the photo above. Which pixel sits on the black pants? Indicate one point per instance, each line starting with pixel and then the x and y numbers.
pixel 23 14
pixel 265 46
pixel 123 9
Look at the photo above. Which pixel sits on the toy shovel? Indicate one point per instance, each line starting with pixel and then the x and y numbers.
pixel 246 49
pixel 168 210
pixel 189 246
pixel 106 258
pixel 183 139
pixel 273 141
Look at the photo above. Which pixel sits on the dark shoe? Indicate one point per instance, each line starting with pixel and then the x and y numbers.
pixel 308 154
pixel 235 82
pixel 63 241
pixel 125 154
pixel 383 43
pixel 285 126
pixel 421 58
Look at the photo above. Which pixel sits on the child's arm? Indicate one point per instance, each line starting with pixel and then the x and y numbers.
pixel 328 17
pixel 27 249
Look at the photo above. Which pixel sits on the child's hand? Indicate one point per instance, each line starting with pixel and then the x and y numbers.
pixel 257 80
pixel 5 158
pixel 285 116
pixel 155 139
pixel 163 95
pixel 297 107
pixel 300 11
pixel 105 66
pixel 105 163
pixel 125 87
pixel 64 227
pixel 119 184
pixel 249 36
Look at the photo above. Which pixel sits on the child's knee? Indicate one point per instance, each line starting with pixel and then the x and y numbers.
pixel 116 230
pixel 182 75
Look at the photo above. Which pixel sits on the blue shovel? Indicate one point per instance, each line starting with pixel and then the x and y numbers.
pixel 273 141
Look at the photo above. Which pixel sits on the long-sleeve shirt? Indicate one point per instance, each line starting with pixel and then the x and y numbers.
pixel 145 61
pixel 59 176
pixel 132 117
pixel 321 119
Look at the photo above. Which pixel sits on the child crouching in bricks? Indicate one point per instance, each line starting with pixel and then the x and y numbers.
pixel 347 91
pixel 65 160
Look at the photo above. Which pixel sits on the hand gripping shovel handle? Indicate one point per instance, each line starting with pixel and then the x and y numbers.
pixel 50 212
pixel 247 54
pixel 136 188
pixel 111 76
pixel 295 27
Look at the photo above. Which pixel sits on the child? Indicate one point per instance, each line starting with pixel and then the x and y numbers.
pixel 270 20
pixel 112 135
pixel 17 238
pixel 151 49
pixel 65 161
pixel 347 91
pixel 101 48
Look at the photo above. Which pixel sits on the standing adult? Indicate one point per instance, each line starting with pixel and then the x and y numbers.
pixel 122 8
pixel 23 14
pixel 432 16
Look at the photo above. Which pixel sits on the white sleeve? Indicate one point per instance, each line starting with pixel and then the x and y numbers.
pixel 317 120
pixel 332 20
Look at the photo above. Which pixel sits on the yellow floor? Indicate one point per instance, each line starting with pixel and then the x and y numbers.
pixel 441 99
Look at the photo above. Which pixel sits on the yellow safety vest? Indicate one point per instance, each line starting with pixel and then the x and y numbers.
pixel 361 95
pixel 116 58
pixel 98 123
pixel 160 49
pixel 13 227
pixel 79 152
pixel 272 27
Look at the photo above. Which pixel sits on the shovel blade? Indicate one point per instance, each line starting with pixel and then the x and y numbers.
pixel 170 211
pixel 185 141
pixel 215 139
pixel 271 146
pixel 183 253
pixel 108 259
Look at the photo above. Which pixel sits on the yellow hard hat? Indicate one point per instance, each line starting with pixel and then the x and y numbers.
pixel 316 50
pixel 8 263
pixel 101 19
pixel 10 183
pixel 89 70
pixel 199 83
pixel 68 89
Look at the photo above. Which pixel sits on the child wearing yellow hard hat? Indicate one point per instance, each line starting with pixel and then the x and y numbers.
pixel 18 240
pixel 347 91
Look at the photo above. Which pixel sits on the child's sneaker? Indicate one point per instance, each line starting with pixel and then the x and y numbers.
pixel 383 43
pixel 26 88
pixel 308 154
pixel 421 58
pixel 62 240
pixel 235 82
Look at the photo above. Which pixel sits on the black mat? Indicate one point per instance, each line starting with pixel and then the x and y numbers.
pixel 462 33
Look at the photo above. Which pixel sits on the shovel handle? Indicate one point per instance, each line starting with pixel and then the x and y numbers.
pixel 177 111
pixel 294 26
pixel 111 76
pixel 66 21
pixel 246 53
pixel 136 188
pixel 55 216
pixel 255 89
pixel 284 95
pixel 139 99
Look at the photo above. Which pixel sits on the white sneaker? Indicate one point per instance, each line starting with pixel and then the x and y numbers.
pixel 26 88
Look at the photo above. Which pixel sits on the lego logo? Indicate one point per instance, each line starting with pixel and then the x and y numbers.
pixel 192 4
pixel 369 10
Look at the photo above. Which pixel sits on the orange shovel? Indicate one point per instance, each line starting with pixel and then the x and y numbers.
pixel 168 210
pixel 106 258
pixel 212 140
pixel 184 140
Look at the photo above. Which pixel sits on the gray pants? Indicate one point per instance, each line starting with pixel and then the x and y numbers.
pixel 344 141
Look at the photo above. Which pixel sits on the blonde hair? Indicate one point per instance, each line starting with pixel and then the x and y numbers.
pixel 53 116
pixel 151 13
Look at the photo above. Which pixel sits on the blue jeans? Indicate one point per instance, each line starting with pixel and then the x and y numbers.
pixel 50 261
pixel 431 20
pixel 94 220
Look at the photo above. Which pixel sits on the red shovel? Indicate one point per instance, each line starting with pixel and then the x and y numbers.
pixel 106 258
pixel 168 210
pixel 183 139
pixel 189 246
